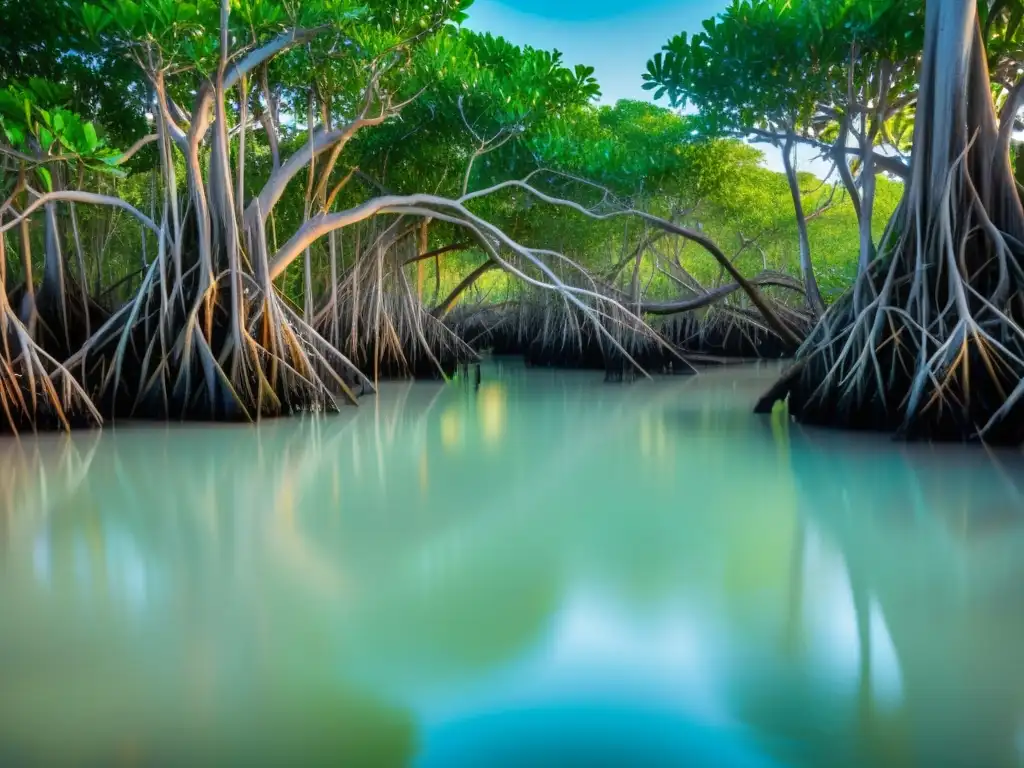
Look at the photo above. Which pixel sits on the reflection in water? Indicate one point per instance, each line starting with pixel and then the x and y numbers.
pixel 492 398
pixel 541 570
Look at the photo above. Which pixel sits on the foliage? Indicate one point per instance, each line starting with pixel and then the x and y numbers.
pixel 291 162
pixel 44 133
pixel 792 65
pixel 44 39
pixel 756 206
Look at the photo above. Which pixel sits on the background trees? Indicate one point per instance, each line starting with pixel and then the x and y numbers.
pixel 249 207
pixel 928 343
pixel 833 76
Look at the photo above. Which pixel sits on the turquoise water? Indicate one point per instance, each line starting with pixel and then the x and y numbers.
pixel 547 570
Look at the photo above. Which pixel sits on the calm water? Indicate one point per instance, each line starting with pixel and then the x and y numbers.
pixel 544 571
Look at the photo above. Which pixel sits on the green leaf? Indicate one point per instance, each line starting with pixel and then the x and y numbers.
pixel 44 174
pixel 127 14
pixel 108 168
pixel 95 19
pixel 89 132
pixel 15 135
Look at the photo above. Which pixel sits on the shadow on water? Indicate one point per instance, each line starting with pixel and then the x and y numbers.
pixel 538 568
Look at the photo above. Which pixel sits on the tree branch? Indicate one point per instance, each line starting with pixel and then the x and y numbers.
pixel 74 196
pixel 712 296
pixel 892 165
pixel 445 306
pixel 134 148
pixel 279 44
pixel 423 204
pixel 463 246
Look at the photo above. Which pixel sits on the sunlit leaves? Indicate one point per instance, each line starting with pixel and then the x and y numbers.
pixel 1004 44
pixel 14 134
pixel 95 19
pixel 48 133
pixel 46 177
pixel 636 148
pixel 774 64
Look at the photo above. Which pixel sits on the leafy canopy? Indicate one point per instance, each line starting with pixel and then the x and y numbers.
pixel 789 65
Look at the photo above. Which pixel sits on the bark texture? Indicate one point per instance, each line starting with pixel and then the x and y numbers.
pixel 929 344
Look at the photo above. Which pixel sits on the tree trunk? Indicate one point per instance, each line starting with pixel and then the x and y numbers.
pixel 424 246
pixel 53 273
pixel 843 166
pixel 935 348
pixel 867 243
pixel 27 313
pixel 806 268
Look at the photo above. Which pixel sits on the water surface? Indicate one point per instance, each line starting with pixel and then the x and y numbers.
pixel 544 570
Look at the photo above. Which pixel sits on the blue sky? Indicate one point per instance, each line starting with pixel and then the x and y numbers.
pixel 616 37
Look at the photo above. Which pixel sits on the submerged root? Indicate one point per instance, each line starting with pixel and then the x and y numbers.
pixel 38 477
pixel 547 332
pixel 390 336
pixel 730 332
pixel 493 328
pixel 929 342
pixel 60 325
pixel 376 318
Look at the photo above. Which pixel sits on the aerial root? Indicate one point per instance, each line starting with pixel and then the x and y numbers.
pixel 952 372
pixel 384 329
pixel 169 356
pixel 929 342
pixel 36 391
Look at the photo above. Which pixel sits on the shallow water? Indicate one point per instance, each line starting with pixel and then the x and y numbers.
pixel 547 570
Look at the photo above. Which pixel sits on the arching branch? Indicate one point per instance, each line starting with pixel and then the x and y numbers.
pixel 129 153
pixel 320 225
pixel 445 306
pixel 462 246
pixel 74 196
pixel 713 296
pixel 771 317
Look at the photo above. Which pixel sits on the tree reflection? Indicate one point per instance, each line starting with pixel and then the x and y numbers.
pixel 926 537
pixel 900 566
pixel 37 476
pixel 847 601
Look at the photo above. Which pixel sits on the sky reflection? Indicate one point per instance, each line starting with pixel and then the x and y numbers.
pixel 585 573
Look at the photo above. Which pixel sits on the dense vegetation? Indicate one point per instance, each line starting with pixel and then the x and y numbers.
pixel 247 207
pixel 928 342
